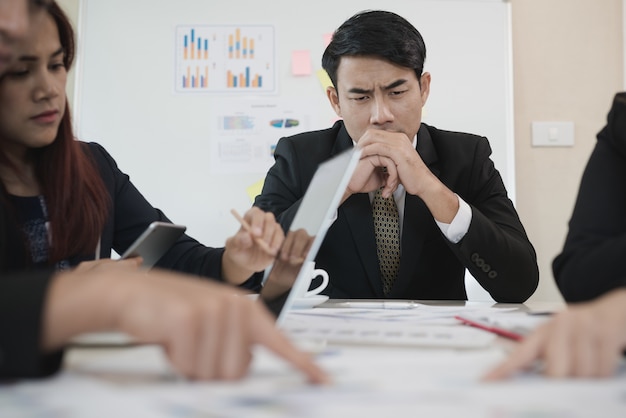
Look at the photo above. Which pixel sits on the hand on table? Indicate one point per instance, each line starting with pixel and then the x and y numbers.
pixel 207 329
pixel 586 340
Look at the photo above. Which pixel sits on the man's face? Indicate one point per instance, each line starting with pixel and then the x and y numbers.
pixel 15 18
pixel 373 93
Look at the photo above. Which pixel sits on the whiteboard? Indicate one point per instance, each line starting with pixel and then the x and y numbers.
pixel 125 95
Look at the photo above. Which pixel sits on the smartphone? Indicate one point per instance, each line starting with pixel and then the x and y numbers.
pixel 154 242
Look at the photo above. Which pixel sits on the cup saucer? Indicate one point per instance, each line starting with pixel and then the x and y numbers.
pixel 309 301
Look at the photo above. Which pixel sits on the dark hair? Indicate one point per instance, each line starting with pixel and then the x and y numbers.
pixel 76 198
pixel 66 33
pixel 376 33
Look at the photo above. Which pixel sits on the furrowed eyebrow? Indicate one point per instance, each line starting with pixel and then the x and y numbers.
pixel 395 84
pixel 357 90
pixel 391 86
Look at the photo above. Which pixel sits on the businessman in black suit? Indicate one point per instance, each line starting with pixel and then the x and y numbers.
pixel 453 210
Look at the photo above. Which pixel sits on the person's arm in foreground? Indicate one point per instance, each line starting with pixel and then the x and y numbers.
pixel 207 329
pixel 586 340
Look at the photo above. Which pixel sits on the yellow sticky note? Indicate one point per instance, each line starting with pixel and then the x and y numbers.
pixel 301 62
pixel 322 75
pixel 255 189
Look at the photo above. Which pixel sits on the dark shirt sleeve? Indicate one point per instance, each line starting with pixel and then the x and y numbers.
pixel 22 300
pixel 132 214
pixel 593 260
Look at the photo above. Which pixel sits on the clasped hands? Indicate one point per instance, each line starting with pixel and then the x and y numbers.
pixel 388 159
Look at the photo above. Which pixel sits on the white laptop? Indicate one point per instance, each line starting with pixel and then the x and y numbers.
pixel 315 215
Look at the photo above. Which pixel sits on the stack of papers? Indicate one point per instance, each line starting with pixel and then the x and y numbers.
pixel 419 325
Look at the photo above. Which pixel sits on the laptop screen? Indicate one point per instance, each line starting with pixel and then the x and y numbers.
pixel 314 216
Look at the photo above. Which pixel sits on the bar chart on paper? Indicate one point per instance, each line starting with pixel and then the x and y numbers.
pixel 214 58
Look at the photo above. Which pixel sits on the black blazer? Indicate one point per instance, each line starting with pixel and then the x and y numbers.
pixel 495 249
pixel 129 216
pixel 593 260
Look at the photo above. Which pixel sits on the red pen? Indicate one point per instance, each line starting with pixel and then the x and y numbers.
pixel 514 333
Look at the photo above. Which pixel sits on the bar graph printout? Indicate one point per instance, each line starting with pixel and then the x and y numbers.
pixel 225 59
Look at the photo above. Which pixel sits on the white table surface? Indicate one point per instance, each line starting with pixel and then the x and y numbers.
pixel 368 381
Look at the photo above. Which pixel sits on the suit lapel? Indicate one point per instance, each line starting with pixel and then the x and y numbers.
pixel 418 223
pixel 343 141
pixel 426 150
pixel 357 211
pixel 417 227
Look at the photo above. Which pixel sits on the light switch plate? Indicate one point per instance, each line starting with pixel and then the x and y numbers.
pixel 553 134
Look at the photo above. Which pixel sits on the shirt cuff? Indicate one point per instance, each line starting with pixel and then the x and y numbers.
pixel 456 230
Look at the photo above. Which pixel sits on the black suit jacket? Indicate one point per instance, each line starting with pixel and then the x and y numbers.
pixel 593 260
pixel 496 249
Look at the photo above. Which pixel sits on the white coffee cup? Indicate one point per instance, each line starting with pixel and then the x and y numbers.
pixel 313 274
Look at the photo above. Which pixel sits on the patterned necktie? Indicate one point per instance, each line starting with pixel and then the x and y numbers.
pixel 387 230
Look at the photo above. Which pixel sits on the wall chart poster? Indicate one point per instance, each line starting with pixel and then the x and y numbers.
pixel 225 59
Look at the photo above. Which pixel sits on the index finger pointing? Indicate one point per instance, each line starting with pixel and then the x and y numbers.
pixel 266 334
pixel 522 357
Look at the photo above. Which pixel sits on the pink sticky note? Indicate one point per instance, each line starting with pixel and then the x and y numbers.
pixel 301 62
pixel 327 38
